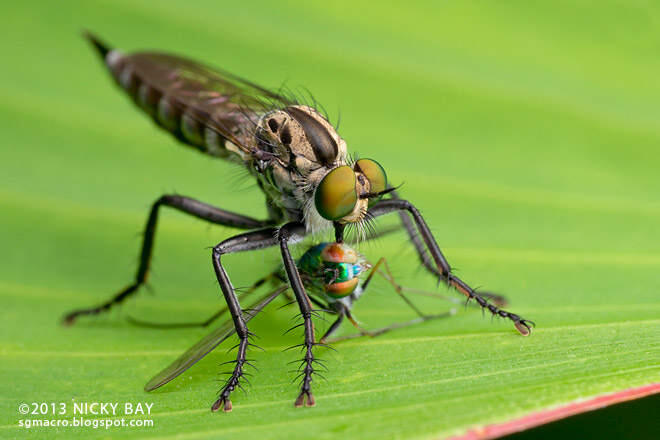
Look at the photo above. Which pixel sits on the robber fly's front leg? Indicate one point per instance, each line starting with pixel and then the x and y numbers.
pixel 285 234
pixel 439 263
pixel 183 204
pixel 243 242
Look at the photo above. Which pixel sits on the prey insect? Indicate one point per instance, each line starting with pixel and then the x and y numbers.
pixel 298 160
pixel 334 276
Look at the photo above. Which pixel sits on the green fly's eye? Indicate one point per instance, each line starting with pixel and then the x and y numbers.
pixel 336 196
pixel 374 173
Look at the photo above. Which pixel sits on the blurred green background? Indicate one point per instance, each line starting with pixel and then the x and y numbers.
pixel 527 134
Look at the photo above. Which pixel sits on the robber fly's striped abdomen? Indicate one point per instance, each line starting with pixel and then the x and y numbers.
pixel 162 88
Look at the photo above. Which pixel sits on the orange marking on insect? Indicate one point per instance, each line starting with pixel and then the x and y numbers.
pixel 338 290
pixel 339 253
pixel 333 253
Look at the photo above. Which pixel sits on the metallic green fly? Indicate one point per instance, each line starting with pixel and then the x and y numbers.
pixel 335 276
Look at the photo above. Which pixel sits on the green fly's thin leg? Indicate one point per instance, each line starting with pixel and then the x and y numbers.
pixel 187 205
pixel 395 326
pixel 400 290
pixel 333 327
pixel 388 276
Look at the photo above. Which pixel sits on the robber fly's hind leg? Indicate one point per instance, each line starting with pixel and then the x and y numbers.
pixel 243 242
pixel 208 321
pixel 436 262
pixel 187 205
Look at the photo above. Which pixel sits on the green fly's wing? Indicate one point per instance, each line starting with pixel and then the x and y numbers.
pixel 208 343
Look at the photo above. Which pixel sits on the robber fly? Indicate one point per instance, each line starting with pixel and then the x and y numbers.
pixel 298 160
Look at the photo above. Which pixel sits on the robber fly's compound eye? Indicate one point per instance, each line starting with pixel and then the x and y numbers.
pixel 375 174
pixel 336 195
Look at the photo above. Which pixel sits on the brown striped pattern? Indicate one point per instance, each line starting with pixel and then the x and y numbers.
pixel 183 101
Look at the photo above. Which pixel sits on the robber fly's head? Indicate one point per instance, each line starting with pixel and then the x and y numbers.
pixel 306 142
pixel 345 193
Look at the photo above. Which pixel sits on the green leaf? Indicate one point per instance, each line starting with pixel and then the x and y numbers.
pixel 526 134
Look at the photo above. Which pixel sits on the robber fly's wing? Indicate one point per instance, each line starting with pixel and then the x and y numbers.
pixel 218 100
pixel 208 343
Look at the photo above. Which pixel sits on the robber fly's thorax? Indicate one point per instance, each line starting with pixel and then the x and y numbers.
pixel 301 138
